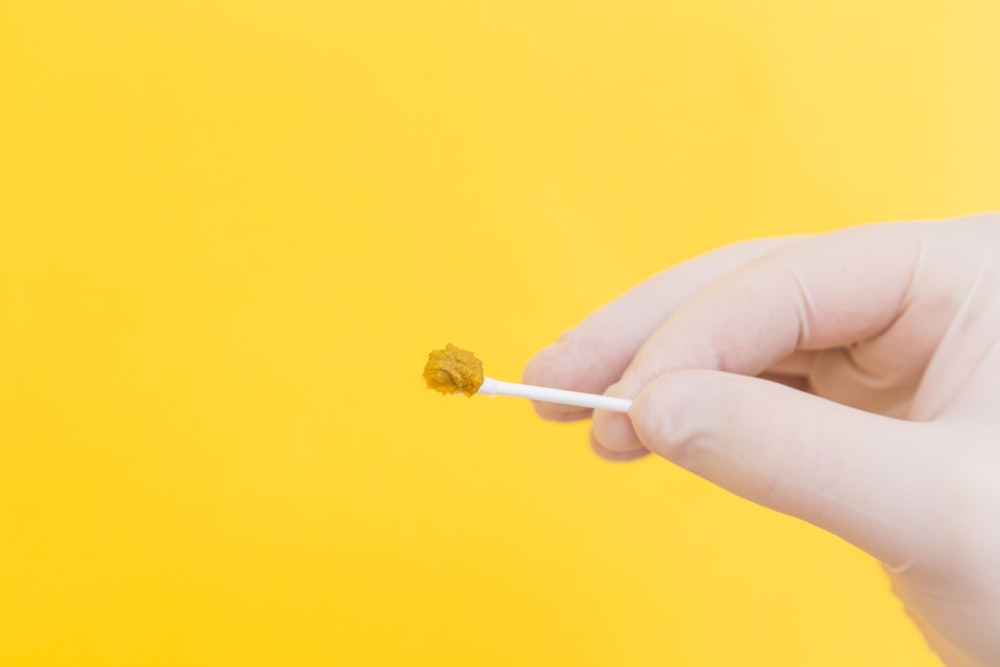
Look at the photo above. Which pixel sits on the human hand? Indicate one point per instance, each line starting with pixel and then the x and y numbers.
pixel 851 379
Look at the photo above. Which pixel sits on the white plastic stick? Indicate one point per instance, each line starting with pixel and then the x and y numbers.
pixel 493 387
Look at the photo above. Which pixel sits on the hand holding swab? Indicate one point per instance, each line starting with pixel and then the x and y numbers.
pixel 453 370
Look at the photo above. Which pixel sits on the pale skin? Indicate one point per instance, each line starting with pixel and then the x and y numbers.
pixel 851 379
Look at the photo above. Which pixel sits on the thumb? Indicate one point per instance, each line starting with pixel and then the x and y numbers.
pixel 859 475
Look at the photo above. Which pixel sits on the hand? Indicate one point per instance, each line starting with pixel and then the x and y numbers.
pixel 851 379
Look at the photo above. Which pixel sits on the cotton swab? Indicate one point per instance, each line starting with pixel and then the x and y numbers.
pixel 454 370
pixel 493 387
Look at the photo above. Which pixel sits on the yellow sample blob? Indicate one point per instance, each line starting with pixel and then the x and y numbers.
pixel 453 370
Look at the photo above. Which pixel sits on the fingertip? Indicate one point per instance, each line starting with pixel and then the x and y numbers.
pixel 559 413
pixel 616 456
pixel 543 365
pixel 548 368
pixel 613 430
pixel 664 415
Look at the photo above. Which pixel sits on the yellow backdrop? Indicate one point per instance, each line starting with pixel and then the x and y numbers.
pixel 231 231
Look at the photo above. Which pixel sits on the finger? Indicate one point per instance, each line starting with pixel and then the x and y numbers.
pixel 593 355
pixel 818 293
pixel 851 472
pixel 617 457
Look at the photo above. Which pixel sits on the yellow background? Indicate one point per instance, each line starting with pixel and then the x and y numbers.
pixel 231 231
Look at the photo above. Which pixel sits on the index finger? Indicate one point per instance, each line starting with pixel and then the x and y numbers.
pixel 593 355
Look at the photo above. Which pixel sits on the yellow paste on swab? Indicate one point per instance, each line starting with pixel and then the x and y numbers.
pixel 453 371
